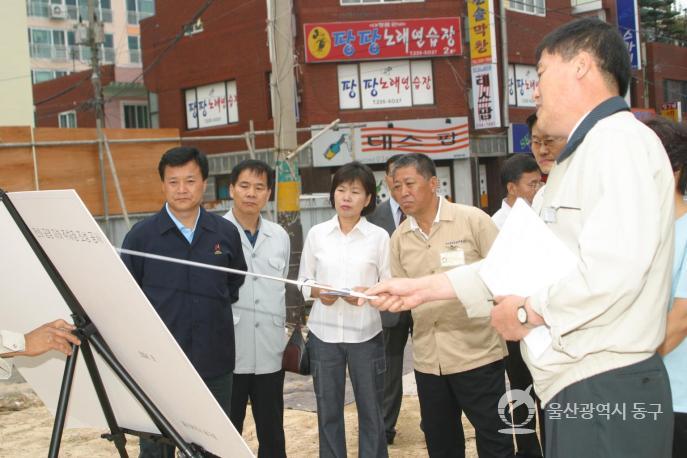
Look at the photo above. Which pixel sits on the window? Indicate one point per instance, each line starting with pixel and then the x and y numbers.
pixel 385 84
pixel 108 48
pixel 675 91
pixel 537 7
pixel 139 9
pixel 67 119
pixel 47 44
pixel 154 109
pixel 134 49
pixel 211 105
pixel 136 116
pixel 40 75
pixel 365 2
pixel 38 8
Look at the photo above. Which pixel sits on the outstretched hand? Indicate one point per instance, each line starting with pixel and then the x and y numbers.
pixel 396 294
pixel 56 335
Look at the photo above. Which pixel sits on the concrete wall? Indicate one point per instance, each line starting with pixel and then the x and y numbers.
pixel 15 71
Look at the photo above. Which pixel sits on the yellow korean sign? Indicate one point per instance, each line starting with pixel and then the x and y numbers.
pixel 481 30
pixel 672 111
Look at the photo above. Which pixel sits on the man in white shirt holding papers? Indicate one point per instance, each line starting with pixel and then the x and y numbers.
pixel 609 200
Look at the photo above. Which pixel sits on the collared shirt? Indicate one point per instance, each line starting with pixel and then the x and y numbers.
pixel 194 303
pixel 610 311
pixel 499 218
pixel 252 238
pixel 359 258
pixel 416 227
pixel 187 232
pixel 260 312
pixel 9 343
pixel 445 340
pixel 395 210
pixel 676 360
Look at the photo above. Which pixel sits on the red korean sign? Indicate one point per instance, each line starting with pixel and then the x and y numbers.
pixel 382 39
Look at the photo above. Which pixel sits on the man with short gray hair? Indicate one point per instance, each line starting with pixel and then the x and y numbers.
pixel 458 360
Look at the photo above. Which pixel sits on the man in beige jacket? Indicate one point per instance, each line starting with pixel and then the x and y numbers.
pixel 609 198
pixel 458 360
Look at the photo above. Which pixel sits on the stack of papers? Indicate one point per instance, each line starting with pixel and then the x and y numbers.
pixel 525 258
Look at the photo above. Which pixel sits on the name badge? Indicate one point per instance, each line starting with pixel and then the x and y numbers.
pixel 452 258
pixel 548 214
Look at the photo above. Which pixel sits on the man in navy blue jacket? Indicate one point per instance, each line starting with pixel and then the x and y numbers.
pixel 194 303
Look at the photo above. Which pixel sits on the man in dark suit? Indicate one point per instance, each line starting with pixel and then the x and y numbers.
pixel 388 215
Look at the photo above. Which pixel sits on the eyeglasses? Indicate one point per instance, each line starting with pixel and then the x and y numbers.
pixel 534 185
pixel 547 141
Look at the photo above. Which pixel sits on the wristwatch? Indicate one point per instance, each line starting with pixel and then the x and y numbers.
pixel 522 315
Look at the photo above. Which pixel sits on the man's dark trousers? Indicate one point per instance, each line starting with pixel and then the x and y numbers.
pixel 220 387
pixel 266 394
pixel 443 399
pixel 624 433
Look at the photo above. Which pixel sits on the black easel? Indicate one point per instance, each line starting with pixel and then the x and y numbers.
pixel 89 335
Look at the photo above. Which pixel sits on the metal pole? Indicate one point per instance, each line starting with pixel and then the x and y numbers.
pixel 504 60
pixel 295 152
pixel 115 178
pixel 166 427
pixel 94 37
pixel 63 402
pixel 116 434
pixel 35 160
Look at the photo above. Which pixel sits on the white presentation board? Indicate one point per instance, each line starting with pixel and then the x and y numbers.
pixel 139 339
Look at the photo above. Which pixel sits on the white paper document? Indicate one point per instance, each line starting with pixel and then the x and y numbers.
pixel 525 258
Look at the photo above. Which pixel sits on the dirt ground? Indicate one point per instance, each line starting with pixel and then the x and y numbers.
pixel 26 426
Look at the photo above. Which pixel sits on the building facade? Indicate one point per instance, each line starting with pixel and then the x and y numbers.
pixel 15 80
pixel 57 34
pixel 56 39
pixel 404 75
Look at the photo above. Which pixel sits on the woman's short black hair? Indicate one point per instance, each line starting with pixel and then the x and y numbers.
pixel 356 171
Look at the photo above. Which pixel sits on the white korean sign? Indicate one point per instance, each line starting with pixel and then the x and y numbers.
pixel 375 142
pixel 211 105
pixel 385 84
pixel 349 87
pixel 512 100
pixel 526 81
pixel 522 81
pixel 485 96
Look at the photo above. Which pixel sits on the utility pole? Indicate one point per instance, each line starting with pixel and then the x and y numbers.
pixel 280 37
pixel 504 61
pixel 94 41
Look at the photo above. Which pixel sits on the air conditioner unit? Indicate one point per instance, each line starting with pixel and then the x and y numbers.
pixel 58 12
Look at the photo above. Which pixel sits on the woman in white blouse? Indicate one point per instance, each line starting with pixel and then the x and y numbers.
pixel 347 252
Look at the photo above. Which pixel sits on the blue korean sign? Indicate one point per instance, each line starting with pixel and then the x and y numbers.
pixel 629 29
pixel 519 138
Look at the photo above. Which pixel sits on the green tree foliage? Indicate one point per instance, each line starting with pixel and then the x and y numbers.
pixel 662 21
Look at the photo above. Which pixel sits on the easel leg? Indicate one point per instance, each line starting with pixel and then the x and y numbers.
pixel 116 434
pixel 61 413
pixel 166 427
